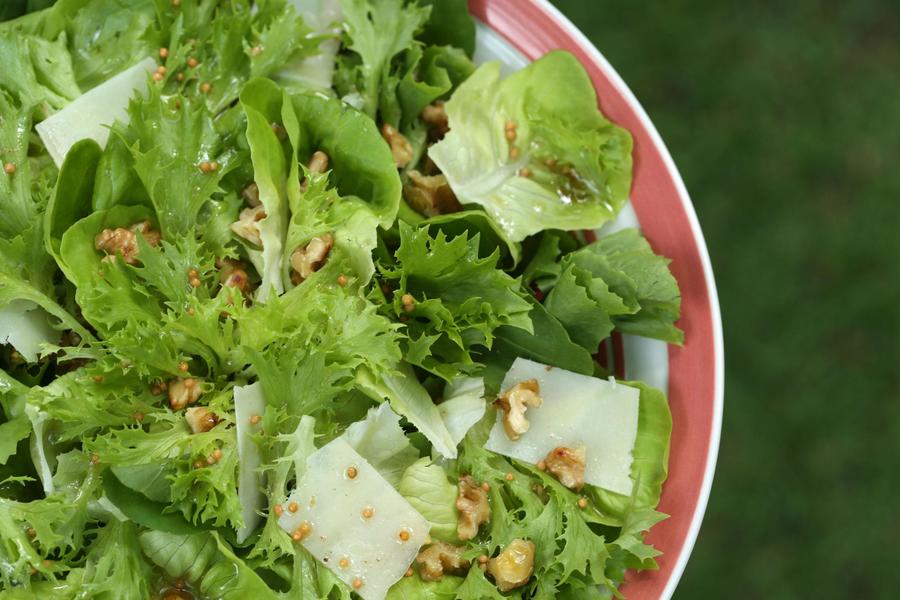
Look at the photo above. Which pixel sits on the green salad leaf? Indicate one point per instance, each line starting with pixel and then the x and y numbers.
pixel 534 150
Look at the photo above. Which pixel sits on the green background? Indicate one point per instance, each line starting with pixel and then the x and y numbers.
pixel 784 119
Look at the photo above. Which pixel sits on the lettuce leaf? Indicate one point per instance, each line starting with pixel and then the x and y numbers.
pixel 380 440
pixel 409 399
pixel 361 163
pixel 262 104
pixel 463 405
pixel 425 486
pixel 449 24
pixel 459 299
pixel 103 36
pixel 640 277
pixel 207 562
pixel 376 32
pixel 316 71
pixel 578 163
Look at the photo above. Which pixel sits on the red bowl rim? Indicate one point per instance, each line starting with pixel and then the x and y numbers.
pixel 668 219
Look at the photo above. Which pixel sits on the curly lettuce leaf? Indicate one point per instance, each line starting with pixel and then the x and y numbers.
pixel 578 164
pixel 114 568
pixel 169 141
pixel 376 32
pixel 459 299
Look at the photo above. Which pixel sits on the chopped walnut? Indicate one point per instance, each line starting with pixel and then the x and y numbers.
pixel 247 225
pixel 123 242
pixel 430 195
pixel 441 559
pixel 514 402
pixel 200 419
pixel 514 566
pixel 233 273
pixel 435 116
pixel 474 509
pixel 251 194
pixel 183 392
pixel 401 149
pixel 567 465
pixel 308 259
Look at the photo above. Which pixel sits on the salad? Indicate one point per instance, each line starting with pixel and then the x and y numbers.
pixel 296 302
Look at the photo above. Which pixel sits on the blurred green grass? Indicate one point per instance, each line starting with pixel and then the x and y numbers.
pixel 784 119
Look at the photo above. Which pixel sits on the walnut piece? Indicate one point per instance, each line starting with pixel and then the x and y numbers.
pixel 435 116
pixel 183 392
pixel 308 259
pixel 567 465
pixel 251 194
pixel 200 419
pixel 441 559
pixel 247 225
pixel 430 195
pixel 514 402
pixel 514 566
pixel 123 242
pixel 473 506
pixel 401 149
pixel 318 162
pixel 233 273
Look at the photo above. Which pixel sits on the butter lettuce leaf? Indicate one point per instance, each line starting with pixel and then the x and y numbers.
pixel 567 167
pixel 426 487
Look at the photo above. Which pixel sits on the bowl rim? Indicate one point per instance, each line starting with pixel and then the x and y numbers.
pixel 503 16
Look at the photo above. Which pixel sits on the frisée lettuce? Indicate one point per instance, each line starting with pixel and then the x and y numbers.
pixel 294 303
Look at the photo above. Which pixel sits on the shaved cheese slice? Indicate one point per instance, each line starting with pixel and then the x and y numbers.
pixel 577 411
pixel 90 115
pixel 249 403
pixel 352 520
pixel 26 326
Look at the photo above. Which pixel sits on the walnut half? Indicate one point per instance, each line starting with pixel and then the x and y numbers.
pixel 473 506
pixel 430 195
pixel 514 565
pixel 247 225
pixel 441 559
pixel 401 149
pixel 308 259
pixel 567 465
pixel 514 402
